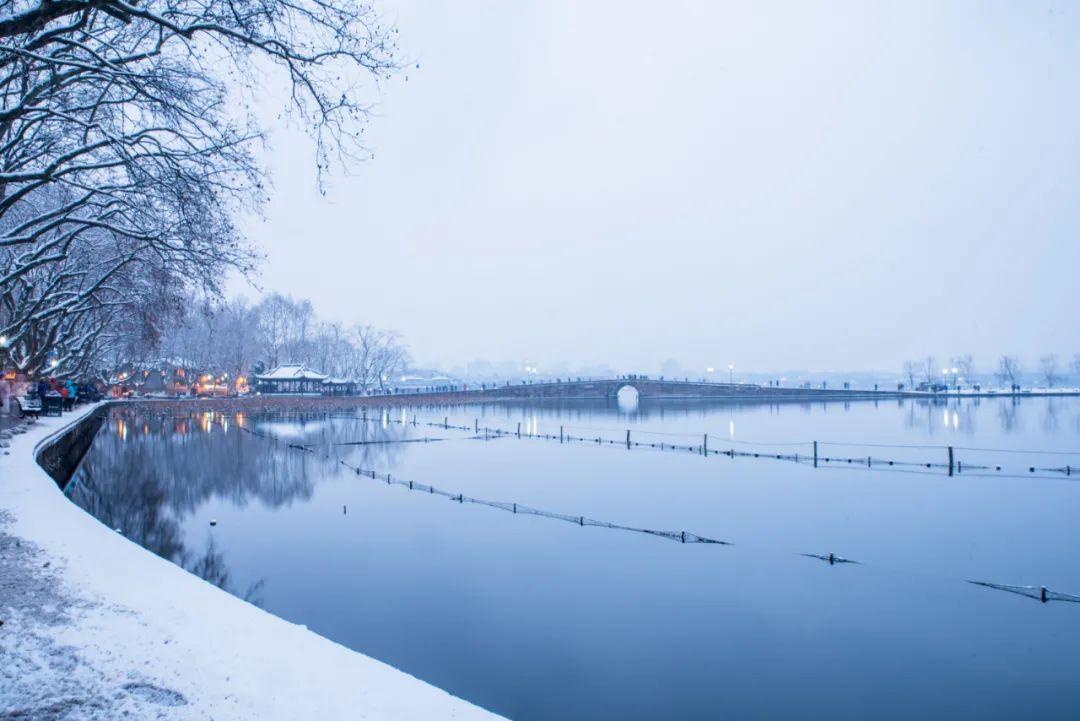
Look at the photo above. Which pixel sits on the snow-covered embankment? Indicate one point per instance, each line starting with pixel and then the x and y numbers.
pixel 95 626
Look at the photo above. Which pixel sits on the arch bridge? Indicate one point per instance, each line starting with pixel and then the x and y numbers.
pixel 671 389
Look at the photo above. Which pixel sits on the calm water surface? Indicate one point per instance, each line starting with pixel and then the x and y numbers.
pixel 539 619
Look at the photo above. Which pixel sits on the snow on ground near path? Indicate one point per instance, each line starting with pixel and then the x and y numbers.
pixel 96 627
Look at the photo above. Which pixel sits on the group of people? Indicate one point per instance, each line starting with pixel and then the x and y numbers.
pixel 19 398
pixel 65 389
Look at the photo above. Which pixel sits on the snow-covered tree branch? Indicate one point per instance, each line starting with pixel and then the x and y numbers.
pixel 126 148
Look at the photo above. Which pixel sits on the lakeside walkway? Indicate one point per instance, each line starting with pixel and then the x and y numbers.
pixel 96 627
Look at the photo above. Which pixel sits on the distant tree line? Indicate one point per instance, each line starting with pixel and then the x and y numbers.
pixel 126 142
pixel 1009 370
pixel 238 337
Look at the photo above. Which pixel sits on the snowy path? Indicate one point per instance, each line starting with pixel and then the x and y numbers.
pixel 96 627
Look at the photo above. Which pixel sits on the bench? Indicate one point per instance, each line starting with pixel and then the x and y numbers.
pixel 28 406
pixel 52 405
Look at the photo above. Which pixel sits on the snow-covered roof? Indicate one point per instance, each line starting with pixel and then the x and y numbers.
pixel 337 382
pixel 292 372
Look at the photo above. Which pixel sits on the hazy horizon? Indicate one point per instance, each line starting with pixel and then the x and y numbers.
pixel 775 186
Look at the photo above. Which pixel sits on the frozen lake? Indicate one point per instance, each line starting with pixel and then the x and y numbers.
pixel 537 618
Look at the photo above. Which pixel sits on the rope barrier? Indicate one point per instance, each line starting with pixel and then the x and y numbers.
pixel 513 507
pixel 953 466
pixel 1040 593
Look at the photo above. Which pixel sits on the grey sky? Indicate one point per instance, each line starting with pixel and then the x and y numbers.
pixel 779 185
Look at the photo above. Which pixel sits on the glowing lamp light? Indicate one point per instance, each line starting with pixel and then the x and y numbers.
pixel 3 341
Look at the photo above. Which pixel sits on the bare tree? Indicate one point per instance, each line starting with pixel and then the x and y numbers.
pixel 1008 370
pixel 911 369
pixel 118 158
pixel 285 327
pixel 930 369
pixel 965 366
pixel 1048 367
pixel 376 356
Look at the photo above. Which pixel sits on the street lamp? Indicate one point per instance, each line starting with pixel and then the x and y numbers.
pixel 731 372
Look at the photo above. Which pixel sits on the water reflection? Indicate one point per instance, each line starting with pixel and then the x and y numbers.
pixel 503 607
pixel 144 482
pixel 628 400
pixel 1009 415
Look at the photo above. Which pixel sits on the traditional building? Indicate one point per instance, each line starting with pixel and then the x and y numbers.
pixel 293 379
pixel 338 387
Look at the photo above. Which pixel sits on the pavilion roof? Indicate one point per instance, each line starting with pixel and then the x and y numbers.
pixel 292 372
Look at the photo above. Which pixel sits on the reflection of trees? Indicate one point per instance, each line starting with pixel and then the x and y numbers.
pixel 925 414
pixel 1050 418
pixel 1008 413
pixel 135 504
pixel 210 567
pixel 130 499
pixel 966 413
pixel 145 472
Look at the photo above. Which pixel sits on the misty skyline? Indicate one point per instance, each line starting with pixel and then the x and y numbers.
pixel 775 186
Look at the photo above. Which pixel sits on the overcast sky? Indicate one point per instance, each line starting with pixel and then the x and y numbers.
pixel 778 185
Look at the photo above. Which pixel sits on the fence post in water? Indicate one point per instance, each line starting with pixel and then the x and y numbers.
pixel 560 434
pixel 815 454
pixel 1042 593
pixel 519 429
pixel 705 445
pixel 446 422
pixel 627 439
pixel 951 464
pixel 476 425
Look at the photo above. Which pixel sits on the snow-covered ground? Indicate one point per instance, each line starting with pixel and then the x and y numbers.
pixel 96 627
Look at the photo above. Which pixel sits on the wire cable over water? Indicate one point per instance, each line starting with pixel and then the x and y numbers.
pixel 816 456
pixel 1040 593
pixel 515 508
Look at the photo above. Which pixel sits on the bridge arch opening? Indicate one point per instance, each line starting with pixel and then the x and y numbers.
pixel 628 398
